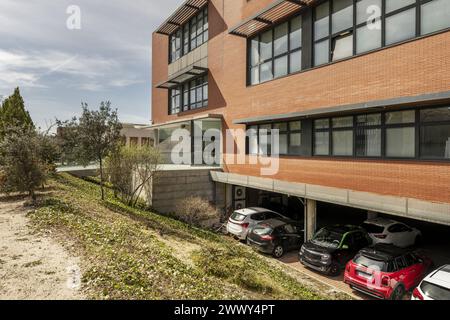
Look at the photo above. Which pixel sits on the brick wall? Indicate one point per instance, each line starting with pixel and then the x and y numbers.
pixel 414 68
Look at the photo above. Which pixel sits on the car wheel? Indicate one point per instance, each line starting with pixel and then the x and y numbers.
pixel 418 241
pixel 278 251
pixel 398 293
pixel 335 270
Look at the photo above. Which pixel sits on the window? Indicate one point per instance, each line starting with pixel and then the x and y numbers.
pixel 435 133
pixel 400 262
pixel 368 20
pixel 145 142
pixel 283 137
pixel 342 136
pixel 276 52
pixel 134 141
pixel 400 134
pixel 260 138
pixel 295 137
pixel 401 26
pixel 265 139
pixel 420 133
pixel 368 135
pixel 189 96
pixel 189 36
pixel 342 17
pixel 322 137
pixel 343 28
pixel 435 15
pixel 175 46
pixel 175 99
pixel 253 140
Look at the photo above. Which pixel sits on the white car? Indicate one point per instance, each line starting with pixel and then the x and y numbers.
pixel 436 286
pixel 388 231
pixel 241 221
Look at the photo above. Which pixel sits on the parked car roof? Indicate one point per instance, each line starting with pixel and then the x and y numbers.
pixel 252 210
pixel 343 228
pixel 274 223
pixel 382 222
pixel 383 251
pixel 440 277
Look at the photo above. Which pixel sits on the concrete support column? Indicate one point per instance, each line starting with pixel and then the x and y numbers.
pixel 310 218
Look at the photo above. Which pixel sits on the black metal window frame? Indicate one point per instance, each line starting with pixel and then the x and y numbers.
pixel 332 37
pixel 426 124
pixel 187 40
pixel 185 92
pixel 272 59
pixel 363 128
pixel 286 132
pixel 418 124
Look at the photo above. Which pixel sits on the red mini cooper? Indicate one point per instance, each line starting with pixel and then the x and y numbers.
pixel 385 271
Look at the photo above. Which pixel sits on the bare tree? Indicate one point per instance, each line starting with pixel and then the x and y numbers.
pixel 131 169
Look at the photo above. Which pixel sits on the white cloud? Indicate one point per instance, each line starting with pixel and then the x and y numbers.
pixel 93 73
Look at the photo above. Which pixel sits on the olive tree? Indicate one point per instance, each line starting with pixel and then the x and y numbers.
pixel 92 137
pixel 26 160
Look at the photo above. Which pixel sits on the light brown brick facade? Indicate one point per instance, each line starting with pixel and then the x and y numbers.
pixel 421 66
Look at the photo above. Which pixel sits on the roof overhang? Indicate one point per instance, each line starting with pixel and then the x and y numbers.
pixel 270 15
pixel 204 117
pixel 186 11
pixel 183 76
pixel 423 100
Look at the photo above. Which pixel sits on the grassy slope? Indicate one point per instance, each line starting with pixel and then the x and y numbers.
pixel 135 254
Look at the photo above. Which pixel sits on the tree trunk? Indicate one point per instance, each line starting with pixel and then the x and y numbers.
pixel 101 179
pixel 32 196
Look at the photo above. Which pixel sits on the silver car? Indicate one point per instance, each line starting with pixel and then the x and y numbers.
pixel 241 221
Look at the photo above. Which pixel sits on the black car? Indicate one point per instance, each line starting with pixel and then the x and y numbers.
pixel 332 247
pixel 276 237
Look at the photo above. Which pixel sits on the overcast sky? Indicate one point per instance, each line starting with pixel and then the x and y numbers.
pixel 57 67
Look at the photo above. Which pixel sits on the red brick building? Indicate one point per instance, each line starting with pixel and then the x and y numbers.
pixel 359 89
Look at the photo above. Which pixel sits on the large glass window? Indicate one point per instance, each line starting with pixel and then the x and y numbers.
pixel 276 52
pixel 435 133
pixel 342 17
pixel 189 36
pixel 295 137
pixel 191 95
pixel 343 28
pixel 368 135
pixel 322 137
pixel 261 138
pixel 435 15
pixel 175 101
pixel 342 136
pixel 368 20
pixel 400 134
pixel 401 26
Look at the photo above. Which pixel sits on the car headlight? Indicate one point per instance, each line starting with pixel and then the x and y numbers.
pixel 325 257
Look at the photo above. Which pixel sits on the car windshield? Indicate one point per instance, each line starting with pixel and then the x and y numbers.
pixel 262 230
pixel 435 292
pixel 372 228
pixel 327 238
pixel 238 216
pixel 370 263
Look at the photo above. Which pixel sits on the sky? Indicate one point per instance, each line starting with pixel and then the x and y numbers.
pixel 61 53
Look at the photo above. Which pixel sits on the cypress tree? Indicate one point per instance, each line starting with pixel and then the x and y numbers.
pixel 14 114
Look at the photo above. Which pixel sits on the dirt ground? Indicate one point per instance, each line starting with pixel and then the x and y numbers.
pixel 32 266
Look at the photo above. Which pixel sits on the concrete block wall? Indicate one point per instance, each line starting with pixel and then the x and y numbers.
pixel 174 185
